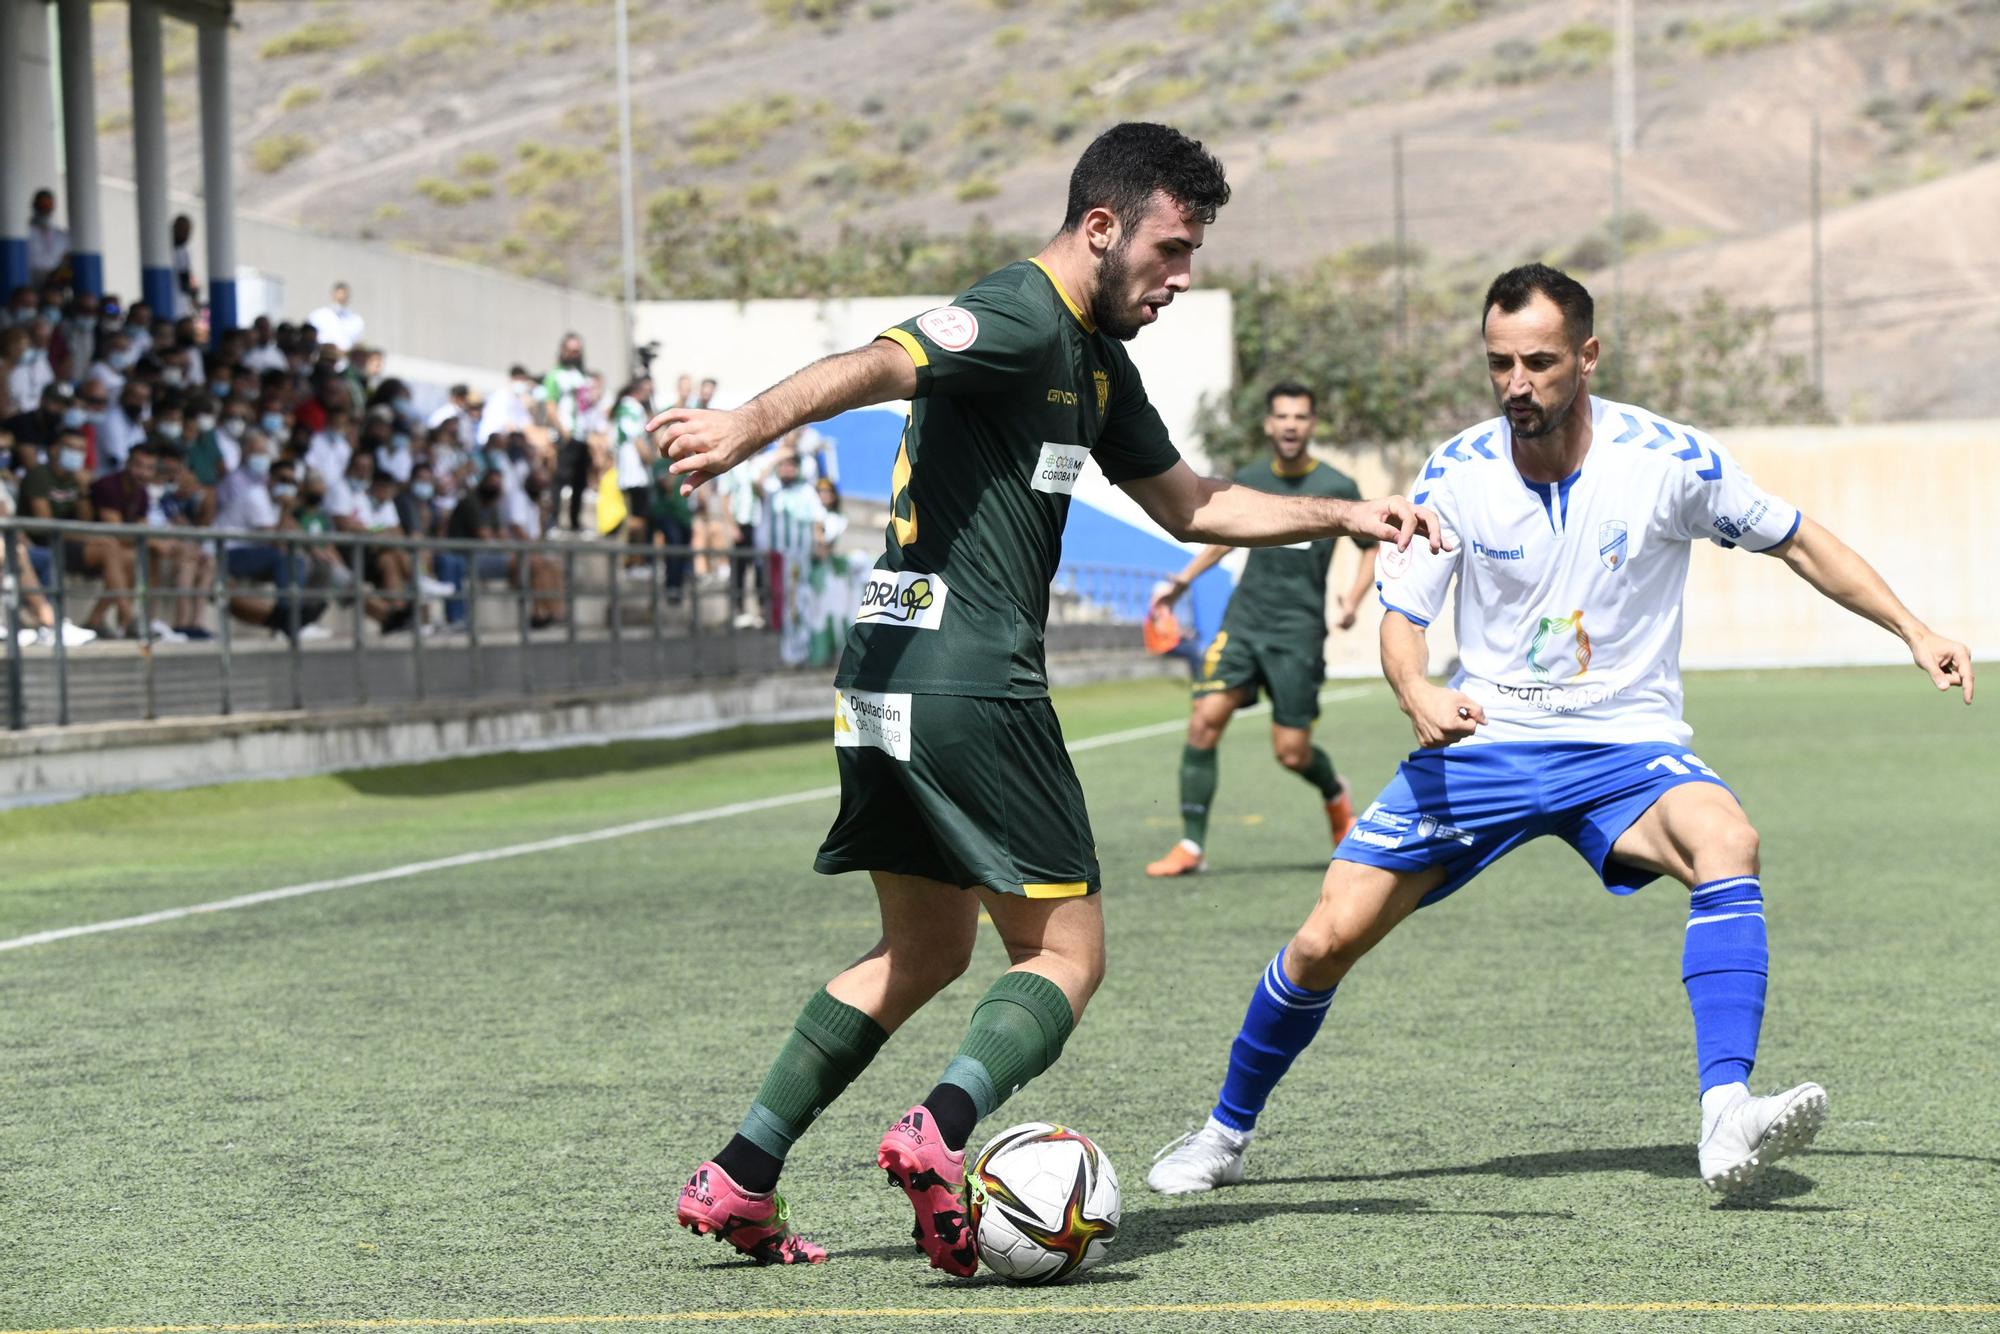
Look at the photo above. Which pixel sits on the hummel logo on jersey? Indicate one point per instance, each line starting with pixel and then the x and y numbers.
pixel 1499 553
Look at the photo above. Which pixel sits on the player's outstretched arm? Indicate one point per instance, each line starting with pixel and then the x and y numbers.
pixel 1194 508
pixel 704 444
pixel 1364 581
pixel 1439 716
pixel 1204 561
pixel 1838 571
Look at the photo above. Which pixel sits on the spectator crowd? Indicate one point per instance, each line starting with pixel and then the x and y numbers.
pixel 120 414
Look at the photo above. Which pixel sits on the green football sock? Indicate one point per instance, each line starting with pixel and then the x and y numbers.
pixel 1018 1030
pixel 1197 791
pixel 831 1043
pixel 1320 774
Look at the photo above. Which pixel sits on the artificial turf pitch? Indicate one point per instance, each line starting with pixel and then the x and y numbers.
pixel 470 1096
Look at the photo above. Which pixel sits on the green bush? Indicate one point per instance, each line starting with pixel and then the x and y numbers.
pixel 313 39
pixel 275 152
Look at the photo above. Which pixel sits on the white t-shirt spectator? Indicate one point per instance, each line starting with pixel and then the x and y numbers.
pixel 396 462
pixel 507 411
pixel 328 454
pixel 338 325
pixel 32 375
pixel 266 357
pixel 376 516
pixel 517 511
pixel 243 500
pixel 116 435
pixel 47 244
pixel 458 419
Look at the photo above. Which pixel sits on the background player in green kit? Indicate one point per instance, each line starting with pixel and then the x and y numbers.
pixel 1273 636
pixel 953 773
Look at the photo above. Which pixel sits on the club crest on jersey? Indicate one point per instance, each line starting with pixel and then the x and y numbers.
pixel 1103 383
pixel 952 328
pixel 1611 543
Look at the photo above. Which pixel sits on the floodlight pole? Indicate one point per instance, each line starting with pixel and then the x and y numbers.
pixel 631 258
pixel 1623 141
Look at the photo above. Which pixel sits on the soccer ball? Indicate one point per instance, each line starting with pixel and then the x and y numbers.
pixel 1044 1203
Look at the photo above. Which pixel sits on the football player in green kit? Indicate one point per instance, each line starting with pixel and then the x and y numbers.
pixel 957 794
pixel 1273 636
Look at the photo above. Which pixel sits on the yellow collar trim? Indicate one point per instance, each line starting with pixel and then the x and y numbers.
pixel 1311 463
pixel 1075 310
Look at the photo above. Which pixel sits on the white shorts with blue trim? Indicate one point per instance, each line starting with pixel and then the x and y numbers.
pixel 1464 807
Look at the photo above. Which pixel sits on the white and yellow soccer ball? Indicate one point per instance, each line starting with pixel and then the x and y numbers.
pixel 1045 1203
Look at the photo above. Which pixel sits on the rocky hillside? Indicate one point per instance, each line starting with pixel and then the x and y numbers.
pixel 485 129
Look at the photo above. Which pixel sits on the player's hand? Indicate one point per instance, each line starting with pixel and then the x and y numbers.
pixel 702 443
pixel 1440 717
pixel 1948 662
pixel 1349 612
pixel 1395 519
pixel 1164 600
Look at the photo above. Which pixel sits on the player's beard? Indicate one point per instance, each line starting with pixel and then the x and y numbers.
pixel 1543 424
pixel 1113 272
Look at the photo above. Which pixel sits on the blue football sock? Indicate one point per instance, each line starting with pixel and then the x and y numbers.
pixel 1725 965
pixel 1280 1023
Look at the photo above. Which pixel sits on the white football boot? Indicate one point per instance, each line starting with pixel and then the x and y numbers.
pixel 1200 1160
pixel 1742 1135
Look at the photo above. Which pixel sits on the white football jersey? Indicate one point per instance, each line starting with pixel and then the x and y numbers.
pixel 1569 593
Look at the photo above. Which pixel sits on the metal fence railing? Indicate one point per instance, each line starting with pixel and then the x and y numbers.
pixel 303 621
pixel 291 613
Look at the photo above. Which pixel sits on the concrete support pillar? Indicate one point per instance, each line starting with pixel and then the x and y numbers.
pixel 15 191
pixel 149 147
pixel 79 114
pixel 218 179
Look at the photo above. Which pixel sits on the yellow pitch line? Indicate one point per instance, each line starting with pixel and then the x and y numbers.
pixel 1302 1307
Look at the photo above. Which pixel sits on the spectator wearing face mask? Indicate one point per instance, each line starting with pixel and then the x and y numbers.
pixel 217 447
pixel 389 569
pixel 74 346
pixel 125 425
pixel 261 497
pixel 56 412
pixel 56 489
pixel 48 244
pixel 178 570
pixel 115 359
pixel 31 372
pixel 510 409
pixel 38 625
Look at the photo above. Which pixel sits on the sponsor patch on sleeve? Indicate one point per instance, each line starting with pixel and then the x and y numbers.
pixel 950 327
pixel 909 598
pixel 1059 467
pixel 870 718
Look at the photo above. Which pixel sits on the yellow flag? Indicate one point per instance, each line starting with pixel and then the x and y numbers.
pixel 611 509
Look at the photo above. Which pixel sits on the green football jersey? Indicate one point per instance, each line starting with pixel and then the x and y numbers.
pixel 1015 389
pixel 1283 589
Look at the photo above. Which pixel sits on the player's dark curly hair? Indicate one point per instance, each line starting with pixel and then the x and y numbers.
pixel 1516 287
pixel 1124 166
pixel 1289 389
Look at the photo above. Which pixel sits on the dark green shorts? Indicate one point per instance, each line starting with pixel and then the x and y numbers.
pixel 960 789
pixel 1289 673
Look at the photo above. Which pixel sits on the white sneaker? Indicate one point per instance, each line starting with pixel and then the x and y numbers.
pixel 1201 1160
pixel 314 630
pixel 166 634
pixel 75 636
pixel 435 588
pixel 1742 1135
pixel 748 620
pixel 28 636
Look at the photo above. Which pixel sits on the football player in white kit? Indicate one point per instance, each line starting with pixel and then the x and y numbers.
pixel 1573 519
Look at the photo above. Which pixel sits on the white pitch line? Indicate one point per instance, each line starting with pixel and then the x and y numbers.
pixel 552 844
